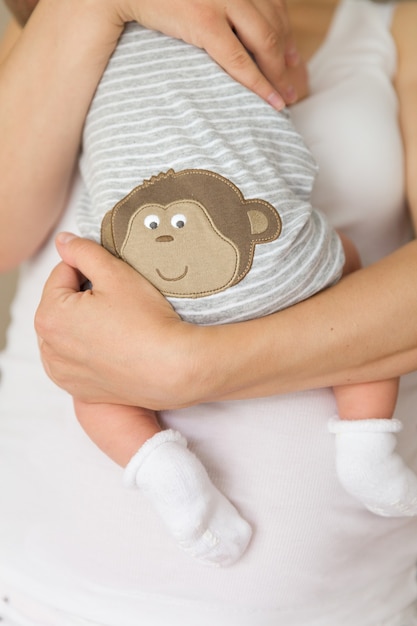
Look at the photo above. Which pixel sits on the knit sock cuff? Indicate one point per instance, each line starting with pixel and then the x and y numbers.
pixel 165 436
pixel 336 426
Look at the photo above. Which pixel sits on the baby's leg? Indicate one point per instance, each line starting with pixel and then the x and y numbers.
pixel 118 430
pixel 204 523
pixel 367 464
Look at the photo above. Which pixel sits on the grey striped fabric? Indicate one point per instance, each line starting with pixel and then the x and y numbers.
pixel 163 104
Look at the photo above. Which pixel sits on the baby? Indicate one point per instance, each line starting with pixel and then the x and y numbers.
pixel 205 190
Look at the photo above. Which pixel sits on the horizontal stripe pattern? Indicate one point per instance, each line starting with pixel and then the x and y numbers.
pixel 163 104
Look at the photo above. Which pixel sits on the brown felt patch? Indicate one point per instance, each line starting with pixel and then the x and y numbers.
pixel 191 233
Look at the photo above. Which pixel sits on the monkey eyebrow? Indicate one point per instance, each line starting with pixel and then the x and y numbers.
pixel 172 279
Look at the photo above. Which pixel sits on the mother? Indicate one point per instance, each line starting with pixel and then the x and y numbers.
pixel 317 558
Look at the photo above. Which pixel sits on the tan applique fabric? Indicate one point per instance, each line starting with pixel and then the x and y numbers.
pixel 191 233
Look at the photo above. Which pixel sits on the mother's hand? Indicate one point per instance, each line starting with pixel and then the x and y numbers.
pixel 120 341
pixel 250 39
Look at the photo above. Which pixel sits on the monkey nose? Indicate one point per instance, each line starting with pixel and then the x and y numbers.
pixel 162 238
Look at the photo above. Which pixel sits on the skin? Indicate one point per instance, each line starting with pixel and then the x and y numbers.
pixel 343 331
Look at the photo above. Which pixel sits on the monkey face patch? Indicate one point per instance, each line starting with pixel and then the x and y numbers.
pixel 191 233
pixel 174 245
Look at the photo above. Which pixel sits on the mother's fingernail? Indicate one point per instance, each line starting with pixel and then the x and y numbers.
pixel 290 95
pixel 292 57
pixel 65 237
pixel 276 101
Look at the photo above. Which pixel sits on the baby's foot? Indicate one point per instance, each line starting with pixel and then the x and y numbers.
pixel 204 523
pixel 369 468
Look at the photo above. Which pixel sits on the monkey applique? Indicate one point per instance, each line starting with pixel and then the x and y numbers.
pixel 190 233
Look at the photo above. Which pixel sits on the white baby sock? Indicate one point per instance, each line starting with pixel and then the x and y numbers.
pixel 204 523
pixel 369 468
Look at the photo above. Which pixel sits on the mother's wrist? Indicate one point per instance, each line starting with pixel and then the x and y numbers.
pixel 213 366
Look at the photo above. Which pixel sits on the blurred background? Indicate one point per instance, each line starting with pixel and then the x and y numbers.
pixel 7 281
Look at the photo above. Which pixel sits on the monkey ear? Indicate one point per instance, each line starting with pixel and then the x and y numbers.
pixel 107 240
pixel 265 222
pixel 258 221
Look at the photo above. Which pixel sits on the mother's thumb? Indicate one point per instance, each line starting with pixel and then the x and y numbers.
pixel 93 261
pixel 83 254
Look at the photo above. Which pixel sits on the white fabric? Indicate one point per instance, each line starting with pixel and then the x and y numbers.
pixel 370 468
pixel 72 539
pixel 23 606
pixel 201 520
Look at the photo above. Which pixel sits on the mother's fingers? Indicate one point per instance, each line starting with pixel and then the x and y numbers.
pixel 62 285
pixel 90 259
pixel 230 49
pixel 263 28
pixel 64 278
pixel 249 39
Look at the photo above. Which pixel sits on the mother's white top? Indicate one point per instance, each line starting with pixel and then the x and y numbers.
pixel 72 538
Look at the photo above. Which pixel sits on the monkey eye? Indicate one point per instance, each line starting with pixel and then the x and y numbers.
pixel 151 221
pixel 178 221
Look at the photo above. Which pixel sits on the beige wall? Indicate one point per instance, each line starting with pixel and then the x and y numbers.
pixel 4 16
pixel 7 281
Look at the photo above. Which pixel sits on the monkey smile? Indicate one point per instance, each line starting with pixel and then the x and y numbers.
pixel 172 279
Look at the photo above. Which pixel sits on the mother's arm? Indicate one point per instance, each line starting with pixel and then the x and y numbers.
pixel 47 79
pixel 142 353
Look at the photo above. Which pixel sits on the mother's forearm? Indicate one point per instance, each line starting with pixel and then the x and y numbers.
pixel 364 328
pixel 46 84
pixel 141 353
